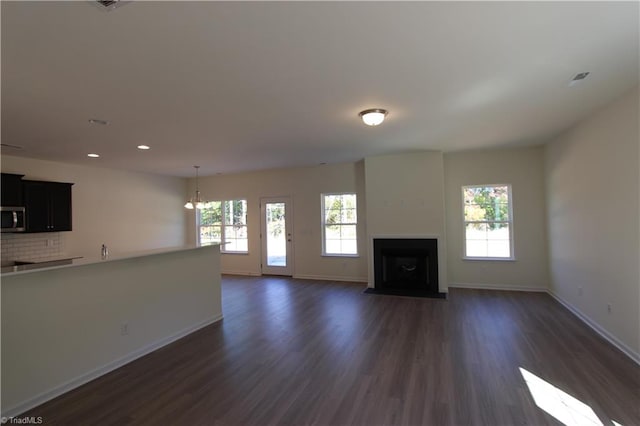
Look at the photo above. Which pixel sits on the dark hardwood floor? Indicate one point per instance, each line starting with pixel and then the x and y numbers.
pixel 296 352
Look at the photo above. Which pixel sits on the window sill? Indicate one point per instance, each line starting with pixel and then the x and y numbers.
pixel 490 259
pixel 221 244
pixel 340 255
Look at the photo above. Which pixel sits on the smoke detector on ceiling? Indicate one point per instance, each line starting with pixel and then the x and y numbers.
pixel 109 5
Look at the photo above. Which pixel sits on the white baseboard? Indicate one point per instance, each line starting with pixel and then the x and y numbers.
pixel 330 278
pixel 598 329
pixel 246 273
pixel 302 276
pixel 506 287
pixel 43 397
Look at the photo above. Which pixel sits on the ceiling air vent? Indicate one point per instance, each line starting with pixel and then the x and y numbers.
pixel 109 5
pixel 6 145
pixel 578 78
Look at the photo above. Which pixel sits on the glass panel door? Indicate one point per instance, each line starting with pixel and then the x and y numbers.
pixel 276 236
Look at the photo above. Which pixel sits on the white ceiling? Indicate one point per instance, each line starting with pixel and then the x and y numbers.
pixel 244 86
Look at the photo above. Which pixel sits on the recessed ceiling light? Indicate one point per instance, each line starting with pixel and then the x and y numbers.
pixel 373 117
pixel 98 121
pixel 92 155
pixel 144 147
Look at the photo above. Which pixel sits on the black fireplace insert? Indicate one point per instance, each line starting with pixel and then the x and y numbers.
pixel 406 266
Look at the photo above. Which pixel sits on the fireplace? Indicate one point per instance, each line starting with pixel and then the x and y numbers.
pixel 406 266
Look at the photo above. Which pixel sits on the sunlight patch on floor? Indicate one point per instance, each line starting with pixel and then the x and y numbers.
pixel 559 404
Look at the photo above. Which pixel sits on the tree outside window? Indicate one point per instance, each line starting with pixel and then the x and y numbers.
pixel 224 222
pixel 339 223
pixel 488 221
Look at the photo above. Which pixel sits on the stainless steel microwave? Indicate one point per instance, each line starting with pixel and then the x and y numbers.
pixel 12 219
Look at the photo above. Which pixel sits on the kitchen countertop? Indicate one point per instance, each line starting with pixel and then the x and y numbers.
pixel 27 265
pixel 65 262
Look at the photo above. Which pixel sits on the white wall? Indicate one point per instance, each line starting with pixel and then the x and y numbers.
pixel 405 197
pixel 304 186
pixel 592 208
pixel 128 211
pixel 522 168
pixel 62 327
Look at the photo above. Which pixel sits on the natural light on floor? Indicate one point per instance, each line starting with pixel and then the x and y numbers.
pixel 558 403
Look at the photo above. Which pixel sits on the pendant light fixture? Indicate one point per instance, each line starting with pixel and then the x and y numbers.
pixel 196 201
pixel 373 117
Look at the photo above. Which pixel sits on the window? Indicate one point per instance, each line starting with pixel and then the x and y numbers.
pixel 224 222
pixel 488 222
pixel 339 220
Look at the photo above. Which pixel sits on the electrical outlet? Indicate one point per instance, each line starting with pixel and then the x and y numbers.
pixel 124 329
pixel 49 243
pixel 609 307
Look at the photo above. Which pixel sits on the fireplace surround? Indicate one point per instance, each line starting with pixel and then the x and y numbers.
pixel 406 267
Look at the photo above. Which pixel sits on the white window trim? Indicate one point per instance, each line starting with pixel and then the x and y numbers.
pixel 512 256
pixel 323 224
pixel 223 243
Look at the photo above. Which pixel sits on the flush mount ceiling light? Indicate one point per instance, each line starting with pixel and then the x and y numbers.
pixel 92 155
pixel 109 5
pixel 195 201
pixel 144 147
pixel 373 117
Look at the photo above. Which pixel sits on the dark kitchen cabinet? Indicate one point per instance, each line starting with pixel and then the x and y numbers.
pixel 47 206
pixel 11 190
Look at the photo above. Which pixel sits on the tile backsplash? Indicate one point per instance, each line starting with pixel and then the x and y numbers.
pixel 17 246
